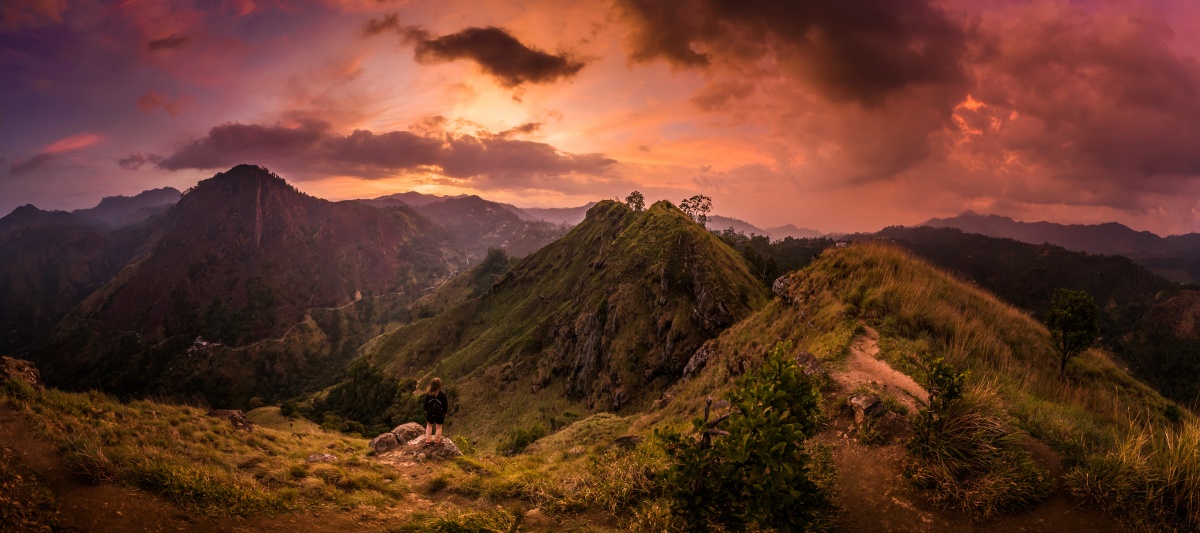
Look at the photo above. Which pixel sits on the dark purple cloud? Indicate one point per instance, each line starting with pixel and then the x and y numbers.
pixel 33 163
pixel 312 146
pixel 859 51
pixel 171 42
pixel 497 52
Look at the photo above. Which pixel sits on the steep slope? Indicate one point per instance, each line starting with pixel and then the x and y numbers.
pixel 120 211
pixel 244 257
pixel 602 319
pixel 1144 317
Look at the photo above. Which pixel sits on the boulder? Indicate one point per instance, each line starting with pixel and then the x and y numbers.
pixel 21 370
pixel 322 458
pixel 235 417
pixel 866 406
pixel 809 364
pixel 439 451
pixel 385 443
pixel 409 431
pixel 697 361
pixel 781 288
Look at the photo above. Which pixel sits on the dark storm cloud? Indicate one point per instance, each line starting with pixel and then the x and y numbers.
pixel 33 163
pixel 497 52
pixel 311 145
pixel 860 51
pixel 170 42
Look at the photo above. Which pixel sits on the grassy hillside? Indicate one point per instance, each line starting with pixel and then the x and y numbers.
pixel 603 319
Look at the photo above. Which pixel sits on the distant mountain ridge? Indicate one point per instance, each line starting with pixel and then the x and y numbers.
pixel 1176 257
pixel 120 211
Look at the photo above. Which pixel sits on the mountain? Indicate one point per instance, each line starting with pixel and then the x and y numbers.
pixel 602 319
pixel 720 223
pixel 559 215
pixel 409 198
pixel 49 264
pixel 120 211
pixel 29 215
pixel 1176 258
pixel 480 225
pixel 789 230
pixel 283 285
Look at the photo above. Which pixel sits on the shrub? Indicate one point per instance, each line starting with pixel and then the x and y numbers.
pixel 750 466
pixel 964 451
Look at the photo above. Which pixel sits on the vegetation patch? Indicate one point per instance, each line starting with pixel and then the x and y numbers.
pixel 203 463
pixel 1152 479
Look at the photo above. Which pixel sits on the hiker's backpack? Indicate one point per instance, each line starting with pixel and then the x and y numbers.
pixel 434 408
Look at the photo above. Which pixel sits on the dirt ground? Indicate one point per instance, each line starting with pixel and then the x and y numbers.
pixel 877 498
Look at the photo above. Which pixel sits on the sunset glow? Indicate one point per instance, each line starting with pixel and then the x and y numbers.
pixel 1078 112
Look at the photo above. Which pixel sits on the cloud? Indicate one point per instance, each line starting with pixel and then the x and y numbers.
pixel 22 14
pixel 31 164
pixel 487 160
pixel 74 142
pixel 848 51
pixel 174 41
pixel 153 101
pixel 523 129
pixel 498 53
pixel 135 160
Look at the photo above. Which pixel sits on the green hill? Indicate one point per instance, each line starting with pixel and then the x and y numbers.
pixel 603 319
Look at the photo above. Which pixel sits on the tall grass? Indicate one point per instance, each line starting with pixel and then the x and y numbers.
pixel 971 461
pixel 1152 479
pixel 203 463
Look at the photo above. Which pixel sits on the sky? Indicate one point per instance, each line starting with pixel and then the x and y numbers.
pixel 837 116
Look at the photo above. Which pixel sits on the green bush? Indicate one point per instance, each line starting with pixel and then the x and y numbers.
pixel 750 466
pixel 964 451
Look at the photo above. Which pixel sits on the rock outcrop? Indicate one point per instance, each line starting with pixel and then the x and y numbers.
pixel 866 406
pixel 235 417
pixel 397 437
pixel 21 370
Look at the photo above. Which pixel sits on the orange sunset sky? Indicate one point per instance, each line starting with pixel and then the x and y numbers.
pixel 838 116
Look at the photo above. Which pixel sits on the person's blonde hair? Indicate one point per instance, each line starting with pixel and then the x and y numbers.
pixel 435 387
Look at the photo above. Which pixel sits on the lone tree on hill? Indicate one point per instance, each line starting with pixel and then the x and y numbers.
pixel 1074 323
pixel 635 201
pixel 697 207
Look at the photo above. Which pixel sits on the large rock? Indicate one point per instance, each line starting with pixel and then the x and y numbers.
pixel 21 370
pixel 409 431
pixel 438 451
pixel 866 406
pixel 782 288
pixel 809 364
pixel 235 417
pixel 385 443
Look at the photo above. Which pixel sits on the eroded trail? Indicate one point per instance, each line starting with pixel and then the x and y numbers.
pixel 877 498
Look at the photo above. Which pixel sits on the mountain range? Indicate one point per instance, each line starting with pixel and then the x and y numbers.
pixel 1176 257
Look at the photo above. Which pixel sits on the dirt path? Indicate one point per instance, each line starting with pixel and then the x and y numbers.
pixel 875 494
pixel 862 367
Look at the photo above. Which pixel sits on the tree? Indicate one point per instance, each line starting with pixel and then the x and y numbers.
pixel 635 201
pixel 697 207
pixel 749 465
pixel 1074 323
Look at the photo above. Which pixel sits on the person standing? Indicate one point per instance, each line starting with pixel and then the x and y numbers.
pixel 436 407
